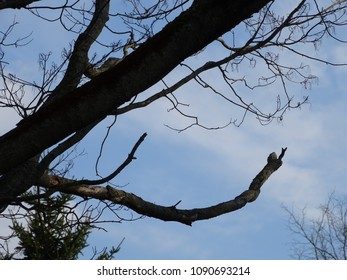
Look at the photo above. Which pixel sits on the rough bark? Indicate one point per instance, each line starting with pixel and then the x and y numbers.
pixel 195 28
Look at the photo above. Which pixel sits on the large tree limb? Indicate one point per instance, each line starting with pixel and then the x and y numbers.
pixel 195 28
pixel 169 213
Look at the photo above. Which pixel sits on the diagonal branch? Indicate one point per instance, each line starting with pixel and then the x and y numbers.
pixel 128 160
pixel 99 97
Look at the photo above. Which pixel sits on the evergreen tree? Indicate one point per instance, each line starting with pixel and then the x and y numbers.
pixel 52 231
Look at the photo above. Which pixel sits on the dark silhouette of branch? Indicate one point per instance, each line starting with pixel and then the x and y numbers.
pixel 171 213
pixel 128 160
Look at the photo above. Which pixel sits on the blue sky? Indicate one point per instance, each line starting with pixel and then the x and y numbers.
pixel 204 167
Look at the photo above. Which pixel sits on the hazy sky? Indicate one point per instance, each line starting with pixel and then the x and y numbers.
pixel 204 167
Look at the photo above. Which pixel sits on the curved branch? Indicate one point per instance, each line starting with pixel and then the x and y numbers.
pixel 129 159
pixel 171 213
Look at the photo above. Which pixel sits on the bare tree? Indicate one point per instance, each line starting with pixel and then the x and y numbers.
pixel 76 94
pixel 323 237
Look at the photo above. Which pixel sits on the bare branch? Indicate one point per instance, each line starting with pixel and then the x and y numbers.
pixel 323 237
pixel 171 213
pixel 128 160
pixel 78 62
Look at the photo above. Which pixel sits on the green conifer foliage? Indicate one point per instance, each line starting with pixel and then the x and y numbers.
pixel 52 232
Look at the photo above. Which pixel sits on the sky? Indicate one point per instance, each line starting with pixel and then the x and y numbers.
pixel 202 167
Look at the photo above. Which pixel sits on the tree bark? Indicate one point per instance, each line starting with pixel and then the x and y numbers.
pixel 195 28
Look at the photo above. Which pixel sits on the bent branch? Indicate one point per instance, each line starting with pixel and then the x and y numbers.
pixel 171 213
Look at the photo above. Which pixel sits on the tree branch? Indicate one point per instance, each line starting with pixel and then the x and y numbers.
pixel 79 62
pixel 171 213
pixel 129 159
